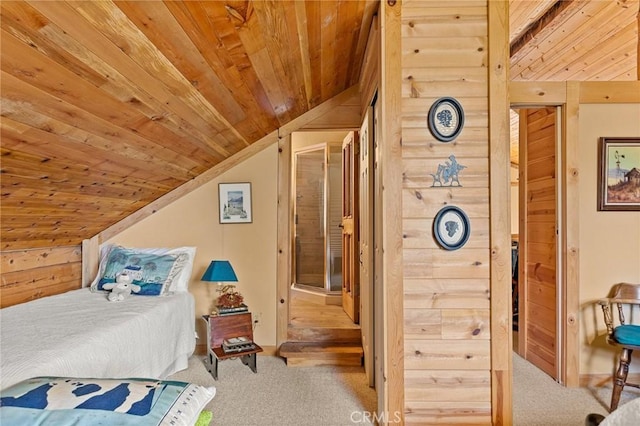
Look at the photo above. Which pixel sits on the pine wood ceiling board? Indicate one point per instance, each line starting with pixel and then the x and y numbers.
pixel 122 140
pixel 115 25
pixel 130 83
pixel 24 22
pixel 344 45
pixel 328 28
pixel 534 45
pixel 44 145
pixel 586 38
pixel 179 110
pixel 39 202
pixel 133 86
pixel 29 66
pixel 612 57
pixel 314 43
pixel 277 24
pixel 213 25
pixel 523 13
pixel 60 175
pixel 562 40
pixel 253 39
pixel 303 39
pixel 78 145
pixel 190 37
pixel 367 10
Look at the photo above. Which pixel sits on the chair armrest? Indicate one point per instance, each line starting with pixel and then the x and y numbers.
pixel 606 311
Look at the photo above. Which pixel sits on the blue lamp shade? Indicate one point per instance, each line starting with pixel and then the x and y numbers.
pixel 220 271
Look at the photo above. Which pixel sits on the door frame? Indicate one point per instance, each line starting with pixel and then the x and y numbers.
pixel 566 96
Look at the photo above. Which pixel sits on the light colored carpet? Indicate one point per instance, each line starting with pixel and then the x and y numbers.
pixel 337 396
pixel 281 395
pixel 539 401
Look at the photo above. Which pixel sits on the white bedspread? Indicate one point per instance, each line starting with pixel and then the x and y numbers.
pixel 82 334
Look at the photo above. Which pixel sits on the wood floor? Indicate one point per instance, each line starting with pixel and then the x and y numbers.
pixel 308 314
pixel 320 334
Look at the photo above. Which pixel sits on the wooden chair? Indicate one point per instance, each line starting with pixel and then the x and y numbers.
pixel 621 333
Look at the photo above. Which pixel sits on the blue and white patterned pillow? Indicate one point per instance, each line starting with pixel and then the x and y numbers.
pixel 152 272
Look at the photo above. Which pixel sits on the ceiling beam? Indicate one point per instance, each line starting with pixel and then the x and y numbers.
pixel 537 26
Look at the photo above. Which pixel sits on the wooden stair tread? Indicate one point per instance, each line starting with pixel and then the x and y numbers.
pixel 320 347
pixel 322 353
pixel 323 334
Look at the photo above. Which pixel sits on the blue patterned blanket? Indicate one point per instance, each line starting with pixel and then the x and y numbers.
pixel 73 401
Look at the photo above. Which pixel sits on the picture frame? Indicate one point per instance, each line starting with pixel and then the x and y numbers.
pixel 235 202
pixel 451 228
pixel 446 119
pixel 619 174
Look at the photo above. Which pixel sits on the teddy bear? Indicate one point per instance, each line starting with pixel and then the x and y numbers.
pixel 121 288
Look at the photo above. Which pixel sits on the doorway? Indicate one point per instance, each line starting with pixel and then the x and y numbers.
pixel 317 254
pixel 318 260
pixel 538 284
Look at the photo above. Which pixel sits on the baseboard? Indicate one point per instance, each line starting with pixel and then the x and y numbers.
pixel 598 380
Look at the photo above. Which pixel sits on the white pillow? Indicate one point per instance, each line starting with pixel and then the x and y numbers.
pixel 180 284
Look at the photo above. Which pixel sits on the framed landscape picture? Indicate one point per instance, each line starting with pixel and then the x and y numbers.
pixel 619 174
pixel 235 202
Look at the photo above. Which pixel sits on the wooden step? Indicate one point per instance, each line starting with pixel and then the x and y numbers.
pixel 324 334
pixel 323 353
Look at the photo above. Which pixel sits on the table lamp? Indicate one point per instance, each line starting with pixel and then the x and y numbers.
pixel 221 271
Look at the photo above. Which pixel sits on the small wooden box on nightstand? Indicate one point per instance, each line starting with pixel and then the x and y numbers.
pixel 228 326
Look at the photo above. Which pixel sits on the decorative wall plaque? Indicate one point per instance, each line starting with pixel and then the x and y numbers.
pixel 446 119
pixel 448 173
pixel 451 228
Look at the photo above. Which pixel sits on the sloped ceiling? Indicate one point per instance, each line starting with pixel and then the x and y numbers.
pixel 575 40
pixel 106 106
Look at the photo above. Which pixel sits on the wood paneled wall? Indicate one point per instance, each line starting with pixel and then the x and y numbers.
pixel 31 274
pixel 447 347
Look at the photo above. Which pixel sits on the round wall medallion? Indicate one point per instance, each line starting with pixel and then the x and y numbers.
pixel 446 119
pixel 451 228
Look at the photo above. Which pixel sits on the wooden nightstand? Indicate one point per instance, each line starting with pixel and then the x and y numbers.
pixel 223 327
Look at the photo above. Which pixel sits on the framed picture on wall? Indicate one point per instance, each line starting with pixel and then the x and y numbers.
pixel 619 174
pixel 235 202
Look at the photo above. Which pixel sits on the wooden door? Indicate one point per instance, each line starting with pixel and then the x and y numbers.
pixel 350 258
pixel 538 239
pixel 365 218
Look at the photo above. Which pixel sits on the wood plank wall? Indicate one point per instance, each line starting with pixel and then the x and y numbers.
pixel 447 347
pixel 31 274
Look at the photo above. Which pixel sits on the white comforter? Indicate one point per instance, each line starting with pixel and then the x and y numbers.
pixel 82 334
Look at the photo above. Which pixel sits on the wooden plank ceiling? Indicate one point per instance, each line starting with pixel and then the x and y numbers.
pixel 575 40
pixel 106 106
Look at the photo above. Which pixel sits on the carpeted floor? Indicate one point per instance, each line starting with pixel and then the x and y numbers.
pixel 328 396
pixel 281 395
pixel 539 401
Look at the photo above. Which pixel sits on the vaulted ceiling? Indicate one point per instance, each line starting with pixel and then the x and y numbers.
pixel 108 105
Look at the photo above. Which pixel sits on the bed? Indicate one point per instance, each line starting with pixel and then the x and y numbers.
pixel 82 334
pixel 63 342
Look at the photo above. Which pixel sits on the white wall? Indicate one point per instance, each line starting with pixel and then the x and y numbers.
pixel 250 247
pixel 609 241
